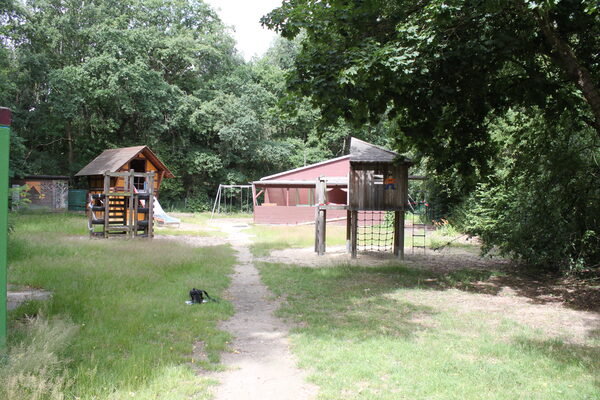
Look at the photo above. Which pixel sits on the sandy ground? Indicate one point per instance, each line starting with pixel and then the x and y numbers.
pixel 259 364
pixel 443 260
pixel 540 303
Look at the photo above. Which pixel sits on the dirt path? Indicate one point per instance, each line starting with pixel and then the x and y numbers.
pixel 260 364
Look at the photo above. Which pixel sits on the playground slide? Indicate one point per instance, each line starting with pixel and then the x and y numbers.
pixel 162 217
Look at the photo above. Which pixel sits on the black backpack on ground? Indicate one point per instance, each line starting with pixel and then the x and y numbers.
pixel 199 296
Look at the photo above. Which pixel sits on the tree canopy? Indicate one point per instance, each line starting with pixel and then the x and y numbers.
pixel 439 68
pixel 83 76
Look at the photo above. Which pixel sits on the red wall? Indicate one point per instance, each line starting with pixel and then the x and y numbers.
pixel 284 214
pixel 291 215
pixel 293 196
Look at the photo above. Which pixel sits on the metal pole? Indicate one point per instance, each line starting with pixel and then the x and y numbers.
pixel 5 116
pixel 215 204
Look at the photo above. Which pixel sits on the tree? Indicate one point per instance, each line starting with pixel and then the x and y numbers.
pixel 439 68
pixel 496 98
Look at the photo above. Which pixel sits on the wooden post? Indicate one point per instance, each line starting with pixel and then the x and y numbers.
pixel 136 206
pixel 320 231
pixel 354 232
pixel 90 214
pixel 348 231
pixel 399 234
pixel 130 214
pixel 254 196
pixel 151 206
pixel 106 202
pixel 321 215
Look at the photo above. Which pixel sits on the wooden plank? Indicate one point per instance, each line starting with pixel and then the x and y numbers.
pixel 333 207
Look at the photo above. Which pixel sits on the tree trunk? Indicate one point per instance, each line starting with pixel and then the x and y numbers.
pixel 579 74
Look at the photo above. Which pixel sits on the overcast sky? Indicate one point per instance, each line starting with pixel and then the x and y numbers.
pixel 244 16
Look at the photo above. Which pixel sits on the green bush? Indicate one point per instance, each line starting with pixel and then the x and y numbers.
pixel 199 203
pixel 541 204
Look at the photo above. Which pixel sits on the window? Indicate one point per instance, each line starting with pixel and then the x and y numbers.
pixel 138 165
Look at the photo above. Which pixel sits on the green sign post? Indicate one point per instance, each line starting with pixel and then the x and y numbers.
pixel 4 152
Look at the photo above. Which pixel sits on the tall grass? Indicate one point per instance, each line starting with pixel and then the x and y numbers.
pixel 35 367
pixel 127 298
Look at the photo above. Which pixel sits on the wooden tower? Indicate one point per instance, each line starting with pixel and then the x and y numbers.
pixel 378 181
pixel 123 211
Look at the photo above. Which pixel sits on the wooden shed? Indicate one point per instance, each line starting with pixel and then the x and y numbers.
pixel 138 158
pixel 49 192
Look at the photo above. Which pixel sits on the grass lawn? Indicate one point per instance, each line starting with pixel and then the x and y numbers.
pixel 399 333
pixel 117 325
pixel 277 237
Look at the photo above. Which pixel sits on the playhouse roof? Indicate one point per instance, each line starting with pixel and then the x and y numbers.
pixel 363 152
pixel 113 159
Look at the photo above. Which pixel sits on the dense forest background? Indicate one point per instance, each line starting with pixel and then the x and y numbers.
pixel 84 76
pixel 497 101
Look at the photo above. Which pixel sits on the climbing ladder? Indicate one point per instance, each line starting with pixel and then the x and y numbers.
pixel 122 210
pixel 419 228
pixel 419 233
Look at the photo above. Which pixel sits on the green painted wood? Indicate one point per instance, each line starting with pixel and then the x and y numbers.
pixel 4 155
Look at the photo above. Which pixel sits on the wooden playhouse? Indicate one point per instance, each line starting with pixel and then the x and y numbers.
pixel 123 184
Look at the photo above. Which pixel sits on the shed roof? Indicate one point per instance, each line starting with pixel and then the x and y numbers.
pixel 361 151
pixel 113 159
pixel 52 177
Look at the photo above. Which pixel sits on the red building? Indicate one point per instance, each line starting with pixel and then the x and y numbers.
pixel 288 197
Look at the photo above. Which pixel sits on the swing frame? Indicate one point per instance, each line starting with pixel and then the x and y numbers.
pixel 222 196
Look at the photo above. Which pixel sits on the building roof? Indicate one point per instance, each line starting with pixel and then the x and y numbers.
pixel 113 159
pixel 304 168
pixel 361 151
pixel 331 181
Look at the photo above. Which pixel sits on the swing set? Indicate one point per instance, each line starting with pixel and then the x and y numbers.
pixel 233 199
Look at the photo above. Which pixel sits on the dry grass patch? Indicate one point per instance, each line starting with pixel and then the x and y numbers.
pixel 393 332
